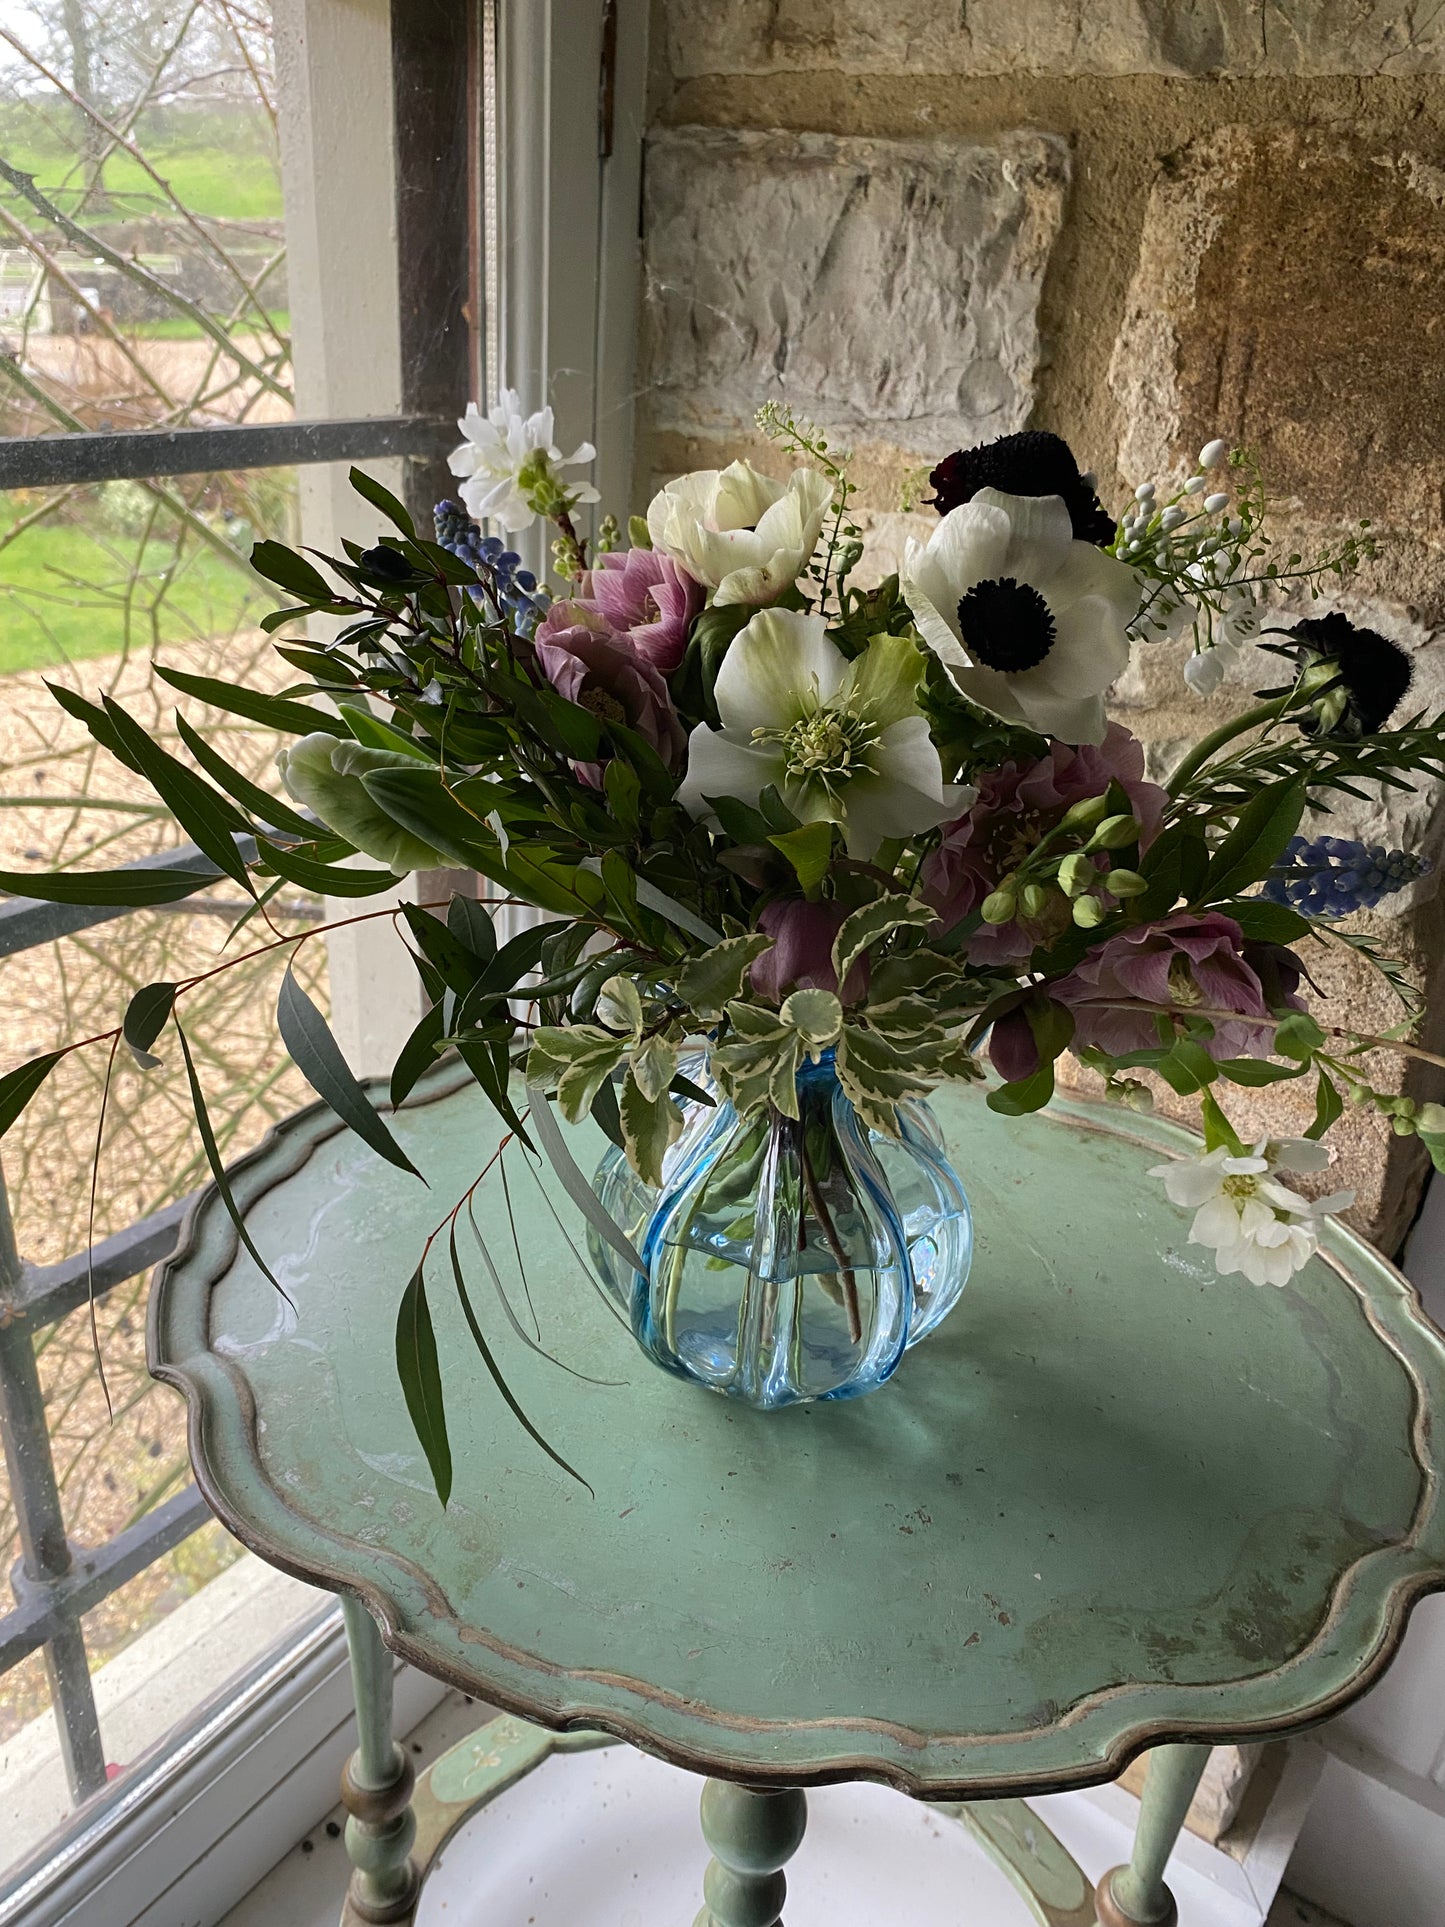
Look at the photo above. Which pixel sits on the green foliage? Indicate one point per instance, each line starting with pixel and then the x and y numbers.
pixel 421 1381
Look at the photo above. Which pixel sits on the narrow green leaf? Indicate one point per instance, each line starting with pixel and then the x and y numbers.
pixel 421 1381
pixel 489 1360
pixel 128 889
pixel 291 572
pixel 208 818
pixel 459 965
pixel 1255 1073
pixel 17 1087
pixel 470 922
pixel 1329 1106
pixel 276 712
pixel 1263 921
pixel 417 1054
pixel 317 1055
pixel 606 1115
pixel 382 499
pixel 218 1170
pixel 268 810
pixel 373 733
pixel 1257 841
pixel 326 879
pixel 146 1016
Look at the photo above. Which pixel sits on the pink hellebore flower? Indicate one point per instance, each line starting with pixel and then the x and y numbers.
pixel 1181 963
pixel 586 660
pixel 802 954
pixel 1015 807
pixel 648 597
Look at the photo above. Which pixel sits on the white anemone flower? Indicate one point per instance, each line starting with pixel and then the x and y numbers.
pixel 1029 623
pixel 743 535
pixel 497 448
pixel 842 741
pixel 1252 1223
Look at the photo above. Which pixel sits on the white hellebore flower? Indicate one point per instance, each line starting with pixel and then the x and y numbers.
pixel 743 535
pixel 497 450
pixel 1251 1223
pixel 1028 622
pixel 843 741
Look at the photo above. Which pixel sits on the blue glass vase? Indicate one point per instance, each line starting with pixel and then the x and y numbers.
pixel 789 1260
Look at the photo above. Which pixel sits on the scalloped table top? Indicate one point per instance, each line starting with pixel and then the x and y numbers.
pixel 1114 1500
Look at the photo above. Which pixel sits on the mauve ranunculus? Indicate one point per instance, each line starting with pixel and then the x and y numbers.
pixel 585 659
pixel 1180 963
pixel 1016 806
pixel 648 597
pixel 802 954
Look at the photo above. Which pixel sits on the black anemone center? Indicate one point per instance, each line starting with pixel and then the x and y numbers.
pixel 1006 625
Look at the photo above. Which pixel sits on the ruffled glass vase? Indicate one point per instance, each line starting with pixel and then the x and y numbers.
pixel 789 1260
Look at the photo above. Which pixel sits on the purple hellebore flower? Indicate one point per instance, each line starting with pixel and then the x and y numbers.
pixel 648 597
pixel 1180 963
pixel 802 954
pixel 588 662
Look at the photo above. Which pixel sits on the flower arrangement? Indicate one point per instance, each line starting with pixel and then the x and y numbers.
pixel 769 815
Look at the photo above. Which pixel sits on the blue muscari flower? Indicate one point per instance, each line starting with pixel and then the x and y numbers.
pixel 510 589
pixel 1332 876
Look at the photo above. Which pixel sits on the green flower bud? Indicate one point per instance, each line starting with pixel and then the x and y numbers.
pixel 1084 814
pixel 1077 874
pixel 1127 883
pixel 1114 833
pixel 637 532
pixel 1089 913
pixel 1001 905
pixel 1034 899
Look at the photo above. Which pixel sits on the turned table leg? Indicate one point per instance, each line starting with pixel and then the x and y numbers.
pixel 753 1833
pixel 1136 1896
pixel 376 1785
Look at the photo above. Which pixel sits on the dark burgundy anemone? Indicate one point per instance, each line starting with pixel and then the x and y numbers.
pixel 1033 463
pixel 1375 672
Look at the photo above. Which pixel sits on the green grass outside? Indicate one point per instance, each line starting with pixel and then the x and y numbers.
pixel 218 165
pixel 45 618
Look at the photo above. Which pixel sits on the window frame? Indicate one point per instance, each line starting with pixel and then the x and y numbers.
pixel 547 182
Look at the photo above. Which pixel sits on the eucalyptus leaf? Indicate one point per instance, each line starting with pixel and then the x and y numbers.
pixel 421 1381
pixel 146 1016
pixel 17 1087
pixel 217 1168
pixel 317 1055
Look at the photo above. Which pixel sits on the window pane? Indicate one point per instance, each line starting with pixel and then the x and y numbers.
pixel 142 286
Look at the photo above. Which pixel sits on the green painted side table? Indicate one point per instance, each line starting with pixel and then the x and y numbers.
pixel 1116 1503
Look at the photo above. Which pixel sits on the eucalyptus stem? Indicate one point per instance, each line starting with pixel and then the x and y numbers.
pixel 830 1238
pixel 1258 717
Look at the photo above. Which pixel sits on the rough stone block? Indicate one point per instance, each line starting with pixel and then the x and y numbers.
pixel 983 37
pixel 1287 295
pixel 884 288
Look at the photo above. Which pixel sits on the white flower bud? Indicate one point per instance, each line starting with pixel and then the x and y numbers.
pixel 1214 503
pixel 1172 516
pixel 1144 492
pixel 1195 484
pixel 1213 453
pixel 1204 672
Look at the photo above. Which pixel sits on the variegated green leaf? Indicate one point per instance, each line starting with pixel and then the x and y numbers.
pixel 871 924
pixel 649 1126
pixel 709 982
pixel 816 1015
pixel 619 1006
pixel 573 1061
pixel 654 1064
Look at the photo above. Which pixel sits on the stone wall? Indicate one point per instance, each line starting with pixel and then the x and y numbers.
pixel 1138 222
